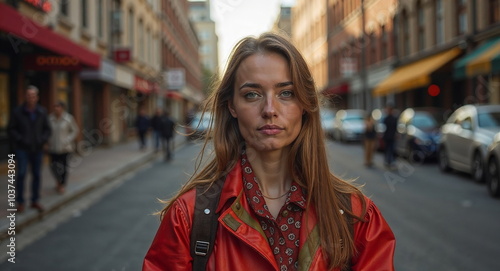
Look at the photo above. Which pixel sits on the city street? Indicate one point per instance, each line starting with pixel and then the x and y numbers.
pixel 441 221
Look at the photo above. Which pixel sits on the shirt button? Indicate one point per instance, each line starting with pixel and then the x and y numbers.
pixel 238 206
pixel 285 213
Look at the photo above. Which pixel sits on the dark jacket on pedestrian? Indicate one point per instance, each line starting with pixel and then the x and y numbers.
pixel 391 123
pixel 142 123
pixel 156 123
pixel 167 126
pixel 27 130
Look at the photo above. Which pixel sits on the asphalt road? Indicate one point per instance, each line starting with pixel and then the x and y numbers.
pixel 441 221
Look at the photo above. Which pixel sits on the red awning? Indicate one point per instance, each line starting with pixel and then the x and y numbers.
pixel 174 95
pixel 336 90
pixel 14 23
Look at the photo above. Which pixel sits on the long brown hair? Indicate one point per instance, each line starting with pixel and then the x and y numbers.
pixel 307 159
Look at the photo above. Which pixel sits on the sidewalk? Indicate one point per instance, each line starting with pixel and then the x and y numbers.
pixel 87 172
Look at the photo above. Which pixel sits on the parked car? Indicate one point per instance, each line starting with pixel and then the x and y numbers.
pixel 328 121
pixel 465 138
pixel 417 135
pixel 199 125
pixel 349 125
pixel 493 167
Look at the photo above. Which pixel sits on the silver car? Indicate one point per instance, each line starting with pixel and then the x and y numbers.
pixel 465 138
pixel 493 167
pixel 349 125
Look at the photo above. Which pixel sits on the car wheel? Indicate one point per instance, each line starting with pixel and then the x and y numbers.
pixel 478 168
pixel 493 178
pixel 444 163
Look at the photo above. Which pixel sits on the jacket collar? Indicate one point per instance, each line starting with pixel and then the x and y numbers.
pixel 233 186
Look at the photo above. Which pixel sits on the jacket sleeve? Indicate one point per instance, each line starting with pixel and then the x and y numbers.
pixel 46 129
pixel 375 242
pixel 170 249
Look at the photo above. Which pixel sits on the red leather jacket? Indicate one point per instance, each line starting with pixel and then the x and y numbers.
pixel 240 245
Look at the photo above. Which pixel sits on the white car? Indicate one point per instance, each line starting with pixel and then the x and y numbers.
pixel 349 125
pixel 465 138
pixel 493 167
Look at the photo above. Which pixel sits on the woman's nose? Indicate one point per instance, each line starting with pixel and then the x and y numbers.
pixel 270 107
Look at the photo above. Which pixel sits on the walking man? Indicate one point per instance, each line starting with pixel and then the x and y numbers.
pixel 167 125
pixel 389 137
pixel 29 131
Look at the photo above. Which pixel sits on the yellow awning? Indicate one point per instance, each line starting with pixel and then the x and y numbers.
pixel 483 63
pixel 414 75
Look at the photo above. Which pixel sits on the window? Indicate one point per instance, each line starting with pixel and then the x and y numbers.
pixel 100 19
pixel 494 8
pixel 421 26
pixel 406 34
pixel 84 14
pixel 383 43
pixel 64 5
pixel 140 31
pixel 461 16
pixel 373 49
pixel 439 21
pixel 131 29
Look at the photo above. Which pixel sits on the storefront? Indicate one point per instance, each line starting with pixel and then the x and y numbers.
pixel 481 68
pixel 425 82
pixel 31 54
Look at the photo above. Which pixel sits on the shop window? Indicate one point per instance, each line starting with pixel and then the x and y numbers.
pixel 494 8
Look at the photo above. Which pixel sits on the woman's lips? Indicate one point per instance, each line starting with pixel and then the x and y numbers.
pixel 270 129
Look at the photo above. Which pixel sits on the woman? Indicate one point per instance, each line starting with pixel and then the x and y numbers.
pixel 64 132
pixel 280 207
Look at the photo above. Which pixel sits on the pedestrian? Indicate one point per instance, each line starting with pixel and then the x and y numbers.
pixel 61 143
pixel 279 199
pixel 389 137
pixel 156 126
pixel 142 126
pixel 167 128
pixel 369 139
pixel 29 131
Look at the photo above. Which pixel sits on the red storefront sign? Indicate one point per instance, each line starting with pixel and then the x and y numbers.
pixel 143 85
pixel 21 29
pixel 51 63
pixel 122 55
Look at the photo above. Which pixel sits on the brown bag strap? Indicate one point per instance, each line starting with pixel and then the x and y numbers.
pixel 205 223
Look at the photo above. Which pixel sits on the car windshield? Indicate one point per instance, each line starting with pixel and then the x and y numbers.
pixel 424 121
pixel 489 119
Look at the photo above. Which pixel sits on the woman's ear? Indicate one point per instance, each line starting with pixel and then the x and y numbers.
pixel 231 109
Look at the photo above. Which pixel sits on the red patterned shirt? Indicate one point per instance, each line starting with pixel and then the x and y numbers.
pixel 283 231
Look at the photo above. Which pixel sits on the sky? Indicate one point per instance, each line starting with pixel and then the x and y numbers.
pixel 236 19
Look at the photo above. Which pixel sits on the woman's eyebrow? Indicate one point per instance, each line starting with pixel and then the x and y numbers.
pixel 250 85
pixel 284 84
pixel 256 85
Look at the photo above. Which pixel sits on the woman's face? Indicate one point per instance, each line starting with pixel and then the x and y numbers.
pixel 264 103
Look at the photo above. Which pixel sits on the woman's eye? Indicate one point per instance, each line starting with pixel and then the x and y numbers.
pixel 251 95
pixel 287 93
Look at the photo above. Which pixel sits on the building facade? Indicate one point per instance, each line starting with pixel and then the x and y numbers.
pixel 200 15
pixel 104 59
pixel 180 59
pixel 283 23
pixel 447 54
pixel 309 34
